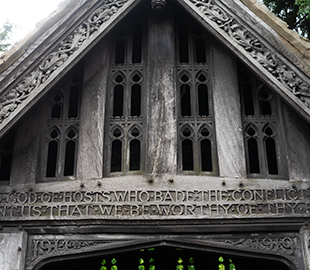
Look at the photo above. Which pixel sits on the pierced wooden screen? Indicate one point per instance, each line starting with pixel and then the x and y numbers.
pixel 196 123
pixel 125 110
pixel 262 129
pixel 62 128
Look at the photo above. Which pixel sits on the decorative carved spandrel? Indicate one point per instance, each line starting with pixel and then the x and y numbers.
pixel 47 247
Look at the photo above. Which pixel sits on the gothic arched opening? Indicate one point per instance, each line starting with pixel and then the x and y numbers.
pixel 166 258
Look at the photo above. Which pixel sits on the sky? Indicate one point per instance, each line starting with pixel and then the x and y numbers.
pixel 25 14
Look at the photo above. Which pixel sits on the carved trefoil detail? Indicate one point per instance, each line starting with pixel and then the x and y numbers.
pixel 11 100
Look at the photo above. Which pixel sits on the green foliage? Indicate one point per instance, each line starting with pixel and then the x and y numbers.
pixel 180 266
pixel 113 267
pixel 231 265
pixel 191 266
pixel 141 266
pixel 152 265
pixel 304 7
pixel 221 265
pixel 103 267
pixel 296 13
pixel 5 32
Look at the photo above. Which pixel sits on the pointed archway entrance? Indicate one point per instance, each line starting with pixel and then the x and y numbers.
pixel 167 258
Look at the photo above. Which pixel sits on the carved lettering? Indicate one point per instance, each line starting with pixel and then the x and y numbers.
pixel 140 203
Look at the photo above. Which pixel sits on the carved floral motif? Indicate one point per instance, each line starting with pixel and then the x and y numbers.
pixel 255 48
pixel 10 101
pixel 276 244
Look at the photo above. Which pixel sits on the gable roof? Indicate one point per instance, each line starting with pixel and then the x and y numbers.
pixel 59 46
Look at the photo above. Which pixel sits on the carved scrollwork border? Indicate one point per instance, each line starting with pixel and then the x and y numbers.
pixel 17 95
pixel 48 247
pixel 254 47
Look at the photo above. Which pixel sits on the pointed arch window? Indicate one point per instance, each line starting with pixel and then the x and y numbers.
pixel 261 128
pixel 125 111
pixel 197 153
pixel 62 129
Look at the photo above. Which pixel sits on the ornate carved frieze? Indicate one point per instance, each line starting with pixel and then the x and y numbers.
pixel 12 99
pixel 254 47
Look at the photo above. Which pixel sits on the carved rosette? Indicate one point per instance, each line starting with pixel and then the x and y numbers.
pixel 255 48
pixel 10 101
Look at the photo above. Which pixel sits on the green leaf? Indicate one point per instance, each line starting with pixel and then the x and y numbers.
pixel 114 261
pixel 221 266
pixel 180 267
pixel 232 266
pixel 141 261
pixel 152 267
pixel 191 260
pixel 113 267
pixel 141 267
pixel 103 262
pixel 180 260
pixel 151 261
pixel 103 268
pixel 221 259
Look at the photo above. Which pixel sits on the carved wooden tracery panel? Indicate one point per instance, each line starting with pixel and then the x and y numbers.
pixel 62 129
pixel 194 91
pixel 262 127
pixel 125 111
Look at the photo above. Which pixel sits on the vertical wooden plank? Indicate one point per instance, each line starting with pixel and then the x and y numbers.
pixel 162 124
pixel 25 163
pixel 227 113
pixel 91 134
pixel 297 144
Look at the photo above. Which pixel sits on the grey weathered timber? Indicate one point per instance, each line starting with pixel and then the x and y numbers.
pixel 56 64
pixel 297 144
pixel 13 248
pixel 227 113
pixel 279 72
pixel 241 37
pixel 25 161
pixel 162 123
pixel 305 236
pixel 91 135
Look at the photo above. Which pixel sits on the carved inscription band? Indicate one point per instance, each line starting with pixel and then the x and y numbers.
pixel 240 203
